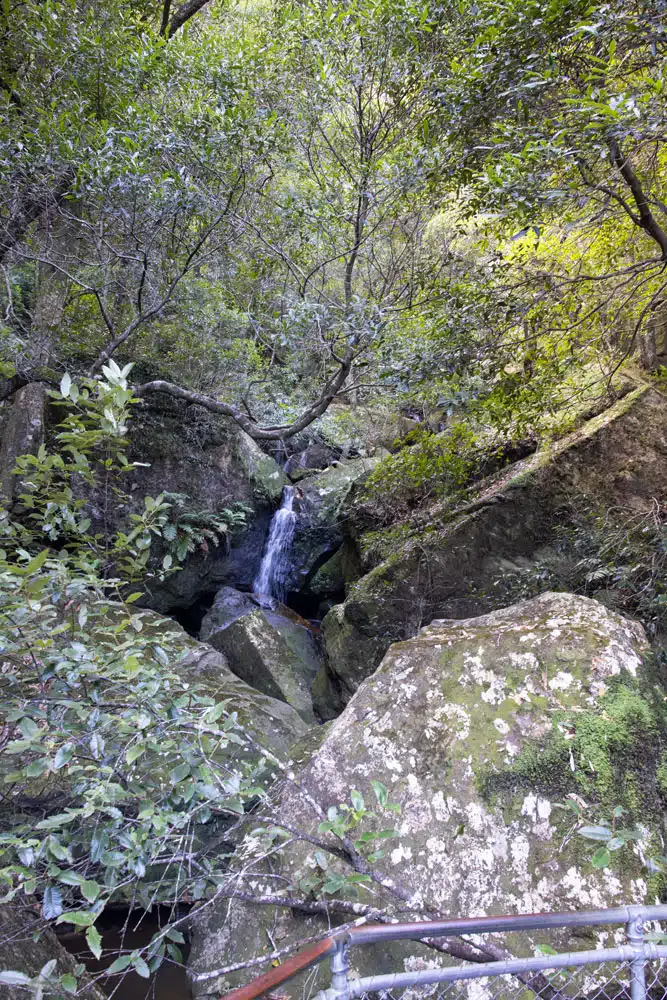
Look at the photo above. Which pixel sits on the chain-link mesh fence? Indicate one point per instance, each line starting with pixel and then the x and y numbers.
pixel 635 969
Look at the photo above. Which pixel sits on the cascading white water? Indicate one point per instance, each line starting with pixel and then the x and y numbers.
pixel 274 567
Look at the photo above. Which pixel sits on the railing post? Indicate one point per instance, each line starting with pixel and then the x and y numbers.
pixel 634 930
pixel 340 967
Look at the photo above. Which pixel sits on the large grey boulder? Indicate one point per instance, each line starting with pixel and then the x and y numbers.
pixel 228 605
pixel 273 654
pixel 462 559
pixel 479 729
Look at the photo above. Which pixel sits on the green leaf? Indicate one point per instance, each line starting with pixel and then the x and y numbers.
pixel 90 890
pixel 63 756
pixel 58 820
pixel 119 965
pixel 179 773
pixel 134 753
pixel 37 562
pixel 52 903
pixel 595 832
pixel 601 858
pixel 68 983
pixel 615 843
pixel 11 978
pixel 381 793
pixel 80 918
pixel 29 728
pixel 48 968
pixel 175 953
pixel 357 799
pixel 37 767
pixel 94 939
pixel 140 967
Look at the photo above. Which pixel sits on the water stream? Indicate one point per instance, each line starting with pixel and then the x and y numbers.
pixel 272 576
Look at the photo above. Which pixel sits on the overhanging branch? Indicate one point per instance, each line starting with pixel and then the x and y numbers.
pixel 250 426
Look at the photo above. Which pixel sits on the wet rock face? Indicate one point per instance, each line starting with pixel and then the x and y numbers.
pixel 215 464
pixel 480 729
pixel 319 503
pixel 315 456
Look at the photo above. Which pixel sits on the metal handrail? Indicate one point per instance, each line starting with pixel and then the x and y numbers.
pixel 418 930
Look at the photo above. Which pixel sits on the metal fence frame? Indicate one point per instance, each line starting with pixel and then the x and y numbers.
pixel 635 953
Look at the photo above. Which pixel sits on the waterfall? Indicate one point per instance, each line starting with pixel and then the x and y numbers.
pixel 274 567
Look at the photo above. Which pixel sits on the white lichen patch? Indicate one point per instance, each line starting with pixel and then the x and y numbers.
pixel 561 682
pixel 400 853
pixel 441 810
pixel 457 717
pixel 493 683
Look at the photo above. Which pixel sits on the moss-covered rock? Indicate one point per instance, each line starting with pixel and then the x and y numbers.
pixel 270 720
pixel 274 655
pixel 455 564
pixel 479 729
pixel 336 575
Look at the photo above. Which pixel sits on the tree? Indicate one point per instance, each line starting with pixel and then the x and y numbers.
pixel 562 129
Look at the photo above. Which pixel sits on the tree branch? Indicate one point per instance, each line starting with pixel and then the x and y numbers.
pixel 183 15
pixel 646 220
pixel 250 426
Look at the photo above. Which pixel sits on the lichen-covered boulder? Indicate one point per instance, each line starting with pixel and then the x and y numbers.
pixel 480 729
pixel 454 565
pixel 272 654
pixel 22 434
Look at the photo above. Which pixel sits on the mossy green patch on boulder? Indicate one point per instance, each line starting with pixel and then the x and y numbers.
pixel 263 472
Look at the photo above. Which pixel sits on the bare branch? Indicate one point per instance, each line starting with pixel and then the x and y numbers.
pixel 251 427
